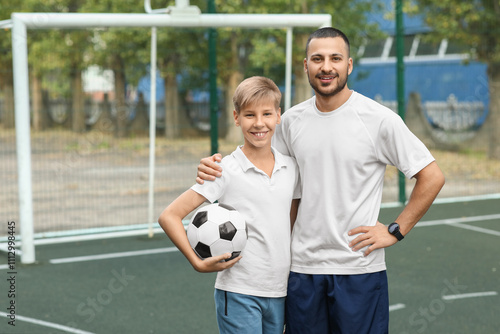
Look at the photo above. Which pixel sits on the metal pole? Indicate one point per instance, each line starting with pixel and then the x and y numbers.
pixel 400 83
pixel 95 20
pixel 212 60
pixel 288 69
pixel 152 133
pixel 23 140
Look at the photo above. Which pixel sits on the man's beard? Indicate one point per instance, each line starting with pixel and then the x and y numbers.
pixel 340 86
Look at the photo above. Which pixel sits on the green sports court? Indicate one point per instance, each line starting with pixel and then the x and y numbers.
pixel 443 278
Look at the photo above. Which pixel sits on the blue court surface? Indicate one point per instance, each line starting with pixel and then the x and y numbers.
pixel 444 277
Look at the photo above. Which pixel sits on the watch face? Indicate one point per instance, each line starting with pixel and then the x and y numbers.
pixel 393 228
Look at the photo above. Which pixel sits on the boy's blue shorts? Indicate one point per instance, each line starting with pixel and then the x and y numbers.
pixel 330 304
pixel 244 314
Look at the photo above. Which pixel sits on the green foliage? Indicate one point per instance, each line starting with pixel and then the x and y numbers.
pixel 472 23
pixel 55 54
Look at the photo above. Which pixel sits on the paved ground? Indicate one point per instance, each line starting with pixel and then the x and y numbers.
pixel 443 278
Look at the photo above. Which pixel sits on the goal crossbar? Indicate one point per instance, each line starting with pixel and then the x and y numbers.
pixel 96 20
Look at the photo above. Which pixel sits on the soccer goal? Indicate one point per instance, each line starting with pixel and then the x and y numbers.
pixel 182 15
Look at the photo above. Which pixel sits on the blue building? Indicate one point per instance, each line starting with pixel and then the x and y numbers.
pixel 453 88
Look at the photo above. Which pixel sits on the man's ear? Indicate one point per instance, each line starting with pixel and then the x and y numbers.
pixel 350 67
pixel 305 65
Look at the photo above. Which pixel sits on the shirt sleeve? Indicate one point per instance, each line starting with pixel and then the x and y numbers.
pixel 399 147
pixel 212 190
pixel 278 140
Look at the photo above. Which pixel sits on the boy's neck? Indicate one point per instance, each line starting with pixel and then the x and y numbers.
pixel 262 158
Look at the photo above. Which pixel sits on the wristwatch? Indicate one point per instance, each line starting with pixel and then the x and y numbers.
pixel 394 230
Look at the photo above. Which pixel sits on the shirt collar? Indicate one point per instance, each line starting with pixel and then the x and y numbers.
pixel 245 164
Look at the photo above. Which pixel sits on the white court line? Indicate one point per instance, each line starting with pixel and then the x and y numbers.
pixel 477 229
pixel 47 324
pixel 396 307
pixel 458 222
pixel 451 221
pixel 448 200
pixel 113 255
pixel 4 266
pixel 470 295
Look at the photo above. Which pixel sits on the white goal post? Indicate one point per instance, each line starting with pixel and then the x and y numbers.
pixel 22 22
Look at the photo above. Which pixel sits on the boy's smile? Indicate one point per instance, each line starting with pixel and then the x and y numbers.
pixel 258 123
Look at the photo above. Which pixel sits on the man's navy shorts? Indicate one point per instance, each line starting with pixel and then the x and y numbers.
pixel 327 304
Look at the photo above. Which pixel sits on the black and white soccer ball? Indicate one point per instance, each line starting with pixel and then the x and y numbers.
pixel 216 229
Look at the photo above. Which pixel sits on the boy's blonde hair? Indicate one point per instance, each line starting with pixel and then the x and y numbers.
pixel 254 90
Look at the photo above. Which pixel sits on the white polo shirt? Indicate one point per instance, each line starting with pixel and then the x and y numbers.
pixel 265 203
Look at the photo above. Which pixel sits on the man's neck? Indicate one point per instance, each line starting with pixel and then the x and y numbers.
pixel 330 103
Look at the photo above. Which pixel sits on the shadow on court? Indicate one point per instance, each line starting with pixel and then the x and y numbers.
pixel 443 278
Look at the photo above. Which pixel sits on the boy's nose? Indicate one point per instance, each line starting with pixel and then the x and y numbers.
pixel 259 121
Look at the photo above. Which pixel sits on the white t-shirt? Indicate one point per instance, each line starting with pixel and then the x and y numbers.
pixel 342 157
pixel 265 203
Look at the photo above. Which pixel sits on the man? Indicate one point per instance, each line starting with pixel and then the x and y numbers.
pixel 342 142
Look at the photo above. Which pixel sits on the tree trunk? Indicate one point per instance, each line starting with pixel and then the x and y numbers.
pixel 140 123
pixel 172 124
pixel 303 90
pixel 8 102
pixel 233 133
pixel 104 123
pixel 39 120
pixel 121 107
pixel 77 105
pixel 494 114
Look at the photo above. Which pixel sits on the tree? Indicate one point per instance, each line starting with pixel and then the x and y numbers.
pixel 6 78
pixel 242 52
pixel 122 50
pixel 178 51
pixel 48 56
pixel 475 24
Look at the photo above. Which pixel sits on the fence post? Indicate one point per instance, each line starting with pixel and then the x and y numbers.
pixel 400 85
pixel 212 59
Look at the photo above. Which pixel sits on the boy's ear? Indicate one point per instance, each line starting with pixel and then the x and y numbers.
pixel 236 121
pixel 279 116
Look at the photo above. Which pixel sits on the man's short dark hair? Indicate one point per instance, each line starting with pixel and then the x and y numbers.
pixel 326 33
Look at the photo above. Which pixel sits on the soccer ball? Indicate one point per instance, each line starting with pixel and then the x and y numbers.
pixel 216 229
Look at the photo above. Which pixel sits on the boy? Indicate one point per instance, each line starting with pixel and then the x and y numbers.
pixel 263 185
